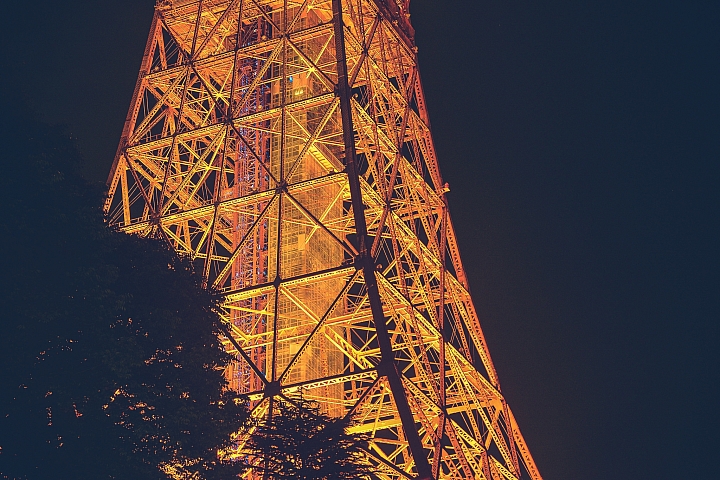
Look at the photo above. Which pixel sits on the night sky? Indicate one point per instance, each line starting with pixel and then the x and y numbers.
pixel 581 142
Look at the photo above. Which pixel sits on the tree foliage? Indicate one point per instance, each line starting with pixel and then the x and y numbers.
pixel 110 360
pixel 109 353
pixel 299 442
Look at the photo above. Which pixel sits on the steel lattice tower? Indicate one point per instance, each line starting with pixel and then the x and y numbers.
pixel 285 146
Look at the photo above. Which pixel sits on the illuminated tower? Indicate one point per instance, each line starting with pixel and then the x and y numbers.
pixel 284 145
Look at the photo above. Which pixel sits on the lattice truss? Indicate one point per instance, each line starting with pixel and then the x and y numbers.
pixel 287 151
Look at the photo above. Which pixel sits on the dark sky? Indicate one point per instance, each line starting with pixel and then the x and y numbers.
pixel 581 141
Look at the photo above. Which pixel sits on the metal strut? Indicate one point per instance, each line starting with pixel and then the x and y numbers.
pixel 365 261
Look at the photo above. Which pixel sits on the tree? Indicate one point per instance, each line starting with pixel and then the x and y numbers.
pixel 110 360
pixel 299 442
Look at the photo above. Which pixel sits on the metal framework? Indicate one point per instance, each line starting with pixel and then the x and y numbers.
pixel 285 146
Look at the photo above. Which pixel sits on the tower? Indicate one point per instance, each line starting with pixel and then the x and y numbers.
pixel 284 145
